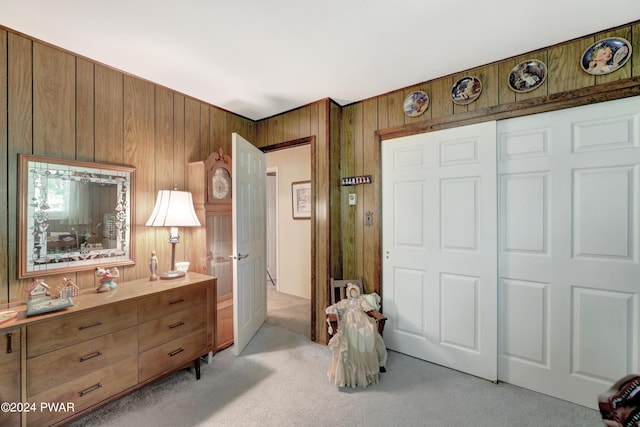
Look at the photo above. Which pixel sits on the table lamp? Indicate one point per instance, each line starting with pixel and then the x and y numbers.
pixel 173 209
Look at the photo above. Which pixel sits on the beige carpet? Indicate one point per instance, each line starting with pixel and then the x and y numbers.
pixel 280 380
pixel 289 312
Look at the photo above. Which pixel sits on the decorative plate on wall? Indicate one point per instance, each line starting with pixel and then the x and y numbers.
pixel 606 56
pixel 527 75
pixel 416 103
pixel 466 90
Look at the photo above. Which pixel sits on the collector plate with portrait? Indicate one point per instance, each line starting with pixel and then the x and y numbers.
pixel 466 90
pixel 527 75
pixel 416 103
pixel 606 56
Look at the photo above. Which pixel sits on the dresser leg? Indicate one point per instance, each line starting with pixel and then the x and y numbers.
pixel 196 364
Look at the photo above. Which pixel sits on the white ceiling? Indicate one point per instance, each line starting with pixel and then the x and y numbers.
pixel 258 58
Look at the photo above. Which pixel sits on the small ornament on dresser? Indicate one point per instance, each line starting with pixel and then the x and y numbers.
pixel 68 288
pixel 38 290
pixel 153 266
pixel 107 275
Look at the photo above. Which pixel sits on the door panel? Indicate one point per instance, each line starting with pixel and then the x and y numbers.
pixel 568 249
pixel 249 241
pixel 439 240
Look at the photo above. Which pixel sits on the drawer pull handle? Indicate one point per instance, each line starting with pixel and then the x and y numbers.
pixel 90 356
pixel 9 349
pixel 181 299
pixel 174 352
pixel 98 323
pixel 175 325
pixel 90 389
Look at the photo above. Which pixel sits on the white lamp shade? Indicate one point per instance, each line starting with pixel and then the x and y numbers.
pixel 173 209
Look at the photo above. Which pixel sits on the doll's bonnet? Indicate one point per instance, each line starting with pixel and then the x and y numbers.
pixel 353 291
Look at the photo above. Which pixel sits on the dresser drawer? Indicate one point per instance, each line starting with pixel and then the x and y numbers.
pixel 165 357
pixel 10 346
pixel 85 391
pixel 170 302
pixel 57 333
pixel 54 368
pixel 172 326
pixel 10 382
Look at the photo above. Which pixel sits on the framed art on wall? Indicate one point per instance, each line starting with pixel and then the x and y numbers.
pixel 301 199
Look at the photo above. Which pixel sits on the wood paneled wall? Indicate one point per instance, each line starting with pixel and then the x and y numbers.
pixel 366 124
pixel 62 105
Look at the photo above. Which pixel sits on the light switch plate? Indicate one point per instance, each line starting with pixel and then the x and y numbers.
pixel 352 199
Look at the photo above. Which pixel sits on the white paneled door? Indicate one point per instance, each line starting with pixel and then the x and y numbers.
pixel 566 207
pixel 249 241
pixel 569 272
pixel 439 247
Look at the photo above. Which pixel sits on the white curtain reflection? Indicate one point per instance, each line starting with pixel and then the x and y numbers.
pixel 79 204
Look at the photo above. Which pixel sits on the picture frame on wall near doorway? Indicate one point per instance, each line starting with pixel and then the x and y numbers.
pixel 301 199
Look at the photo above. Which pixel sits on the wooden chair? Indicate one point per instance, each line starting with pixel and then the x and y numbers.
pixel 338 292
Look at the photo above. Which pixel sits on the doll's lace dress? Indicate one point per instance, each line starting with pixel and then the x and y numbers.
pixel 358 350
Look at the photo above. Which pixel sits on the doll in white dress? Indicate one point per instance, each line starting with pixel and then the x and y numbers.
pixel 358 348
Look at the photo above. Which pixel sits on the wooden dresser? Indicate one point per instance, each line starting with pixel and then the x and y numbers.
pixel 60 366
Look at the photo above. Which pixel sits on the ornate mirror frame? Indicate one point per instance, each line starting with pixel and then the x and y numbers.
pixel 58 236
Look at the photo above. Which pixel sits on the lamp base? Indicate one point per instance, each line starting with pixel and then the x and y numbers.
pixel 175 274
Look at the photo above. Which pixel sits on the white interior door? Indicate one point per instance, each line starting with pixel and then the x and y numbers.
pixel 569 272
pixel 249 241
pixel 439 247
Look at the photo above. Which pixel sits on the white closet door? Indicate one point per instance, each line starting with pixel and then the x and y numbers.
pixel 569 272
pixel 439 247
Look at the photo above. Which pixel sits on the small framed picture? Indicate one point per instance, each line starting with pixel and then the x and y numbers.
pixel 301 199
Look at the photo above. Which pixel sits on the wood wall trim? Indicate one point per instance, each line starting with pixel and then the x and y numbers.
pixel 288 144
pixel 557 101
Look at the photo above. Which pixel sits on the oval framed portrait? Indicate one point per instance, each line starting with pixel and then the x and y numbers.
pixel 606 56
pixel 527 75
pixel 416 103
pixel 466 90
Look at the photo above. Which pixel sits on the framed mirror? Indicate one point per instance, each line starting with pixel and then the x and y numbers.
pixel 73 216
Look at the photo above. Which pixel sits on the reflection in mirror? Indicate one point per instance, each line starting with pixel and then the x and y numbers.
pixel 73 216
pixel 219 246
